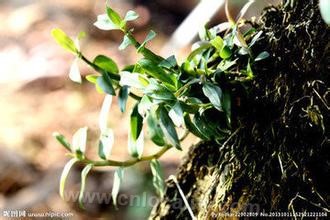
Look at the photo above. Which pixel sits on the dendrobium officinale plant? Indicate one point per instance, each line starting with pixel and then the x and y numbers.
pixel 194 96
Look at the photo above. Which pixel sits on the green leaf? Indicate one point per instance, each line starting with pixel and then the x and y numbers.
pixel 239 39
pixel 145 105
pixel 122 98
pixel 175 79
pixel 206 126
pixel 214 94
pixel 249 71
pixel 199 50
pixel 157 179
pixel 136 123
pixel 255 38
pixel 263 55
pixel 104 23
pixel 134 80
pixel 176 114
pixel 65 174
pixel 74 73
pixel 206 34
pixel 157 91
pixel 79 140
pixel 104 82
pixel 150 55
pixel 187 67
pixel 154 130
pixel 153 70
pixel 92 78
pixel 243 51
pixel 200 126
pixel 190 107
pixel 131 16
pixel 135 147
pixel 106 64
pixel 169 62
pixel 249 32
pixel 62 140
pixel 103 117
pixel 226 64
pixel 202 34
pixel 228 39
pixel 99 89
pixel 151 35
pixel 106 143
pixel 325 10
pixel 217 42
pixel 221 27
pixel 136 137
pixel 137 69
pixel 193 128
pixel 194 100
pixel 64 40
pixel 225 52
pixel 84 174
pixel 115 18
pixel 168 128
pixel 125 43
pixel 117 181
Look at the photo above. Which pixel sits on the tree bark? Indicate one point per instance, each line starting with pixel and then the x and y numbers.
pixel 277 158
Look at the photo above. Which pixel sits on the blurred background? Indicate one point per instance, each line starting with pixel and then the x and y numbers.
pixel 37 98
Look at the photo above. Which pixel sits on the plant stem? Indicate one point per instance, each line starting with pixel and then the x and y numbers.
pixel 136 97
pixel 98 69
pixel 126 163
pixel 112 75
pixel 131 162
pixel 144 51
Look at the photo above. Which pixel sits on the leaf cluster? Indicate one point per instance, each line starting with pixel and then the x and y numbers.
pixel 195 95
